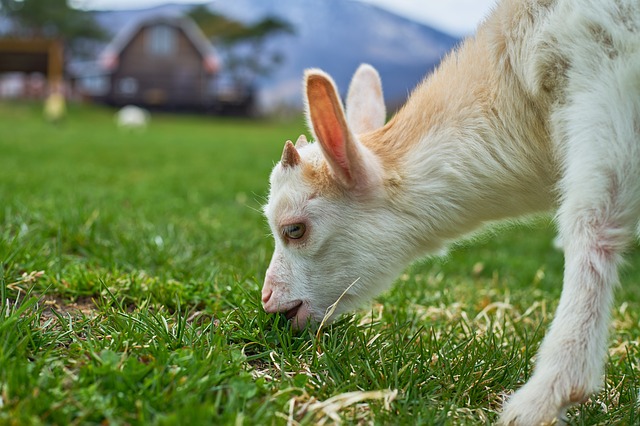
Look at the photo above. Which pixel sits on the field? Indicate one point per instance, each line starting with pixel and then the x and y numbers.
pixel 130 273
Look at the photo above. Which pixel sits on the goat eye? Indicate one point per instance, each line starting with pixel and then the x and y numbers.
pixel 294 231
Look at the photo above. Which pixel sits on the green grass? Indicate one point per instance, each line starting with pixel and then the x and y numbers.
pixel 131 266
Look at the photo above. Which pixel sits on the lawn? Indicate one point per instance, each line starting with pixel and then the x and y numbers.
pixel 130 273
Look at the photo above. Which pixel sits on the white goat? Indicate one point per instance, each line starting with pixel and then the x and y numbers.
pixel 132 117
pixel 539 110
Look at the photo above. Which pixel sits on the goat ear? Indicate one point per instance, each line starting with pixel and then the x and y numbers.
pixel 365 103
pixel 327 119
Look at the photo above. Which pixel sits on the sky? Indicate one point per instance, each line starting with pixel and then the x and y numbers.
pixel 457 17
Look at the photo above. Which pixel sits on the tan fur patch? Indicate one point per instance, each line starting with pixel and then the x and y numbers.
pixel 477 83
pixel 319 177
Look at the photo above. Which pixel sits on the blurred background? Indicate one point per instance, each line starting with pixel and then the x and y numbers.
pixel 243 57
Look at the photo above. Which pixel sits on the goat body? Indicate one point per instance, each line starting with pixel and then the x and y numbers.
pixel 539 110
pixel 132 117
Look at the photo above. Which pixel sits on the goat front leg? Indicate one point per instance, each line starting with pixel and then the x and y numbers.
pixel 597 218
pixel 570 362
pixel 596 222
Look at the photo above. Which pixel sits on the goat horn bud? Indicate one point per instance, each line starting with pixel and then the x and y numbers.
pixel 301 142
pixel 290 156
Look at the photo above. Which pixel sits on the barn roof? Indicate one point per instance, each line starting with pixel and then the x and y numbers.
pixel 109 56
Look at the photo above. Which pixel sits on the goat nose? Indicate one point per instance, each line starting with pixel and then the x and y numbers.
pixel 267 291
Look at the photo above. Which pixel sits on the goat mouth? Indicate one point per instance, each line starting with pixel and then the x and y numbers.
pixel 291 313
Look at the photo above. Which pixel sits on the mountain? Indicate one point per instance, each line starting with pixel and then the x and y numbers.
pixel 335 35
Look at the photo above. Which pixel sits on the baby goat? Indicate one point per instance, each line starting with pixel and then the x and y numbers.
pixel 132 117
pixel 539 110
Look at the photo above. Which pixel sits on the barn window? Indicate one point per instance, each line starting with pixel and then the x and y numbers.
pixel 127 86
pixel 162 40
pixel 94 84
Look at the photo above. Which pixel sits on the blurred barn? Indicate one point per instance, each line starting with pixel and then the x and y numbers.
pixel 162 63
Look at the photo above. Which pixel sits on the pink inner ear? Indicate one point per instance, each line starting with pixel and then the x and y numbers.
pixel 328 122
pixel 334 143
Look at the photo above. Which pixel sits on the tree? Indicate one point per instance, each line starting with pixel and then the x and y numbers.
pixel 243 45
pixel 51 19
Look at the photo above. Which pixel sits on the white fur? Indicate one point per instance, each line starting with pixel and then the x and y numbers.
pixel 540 110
